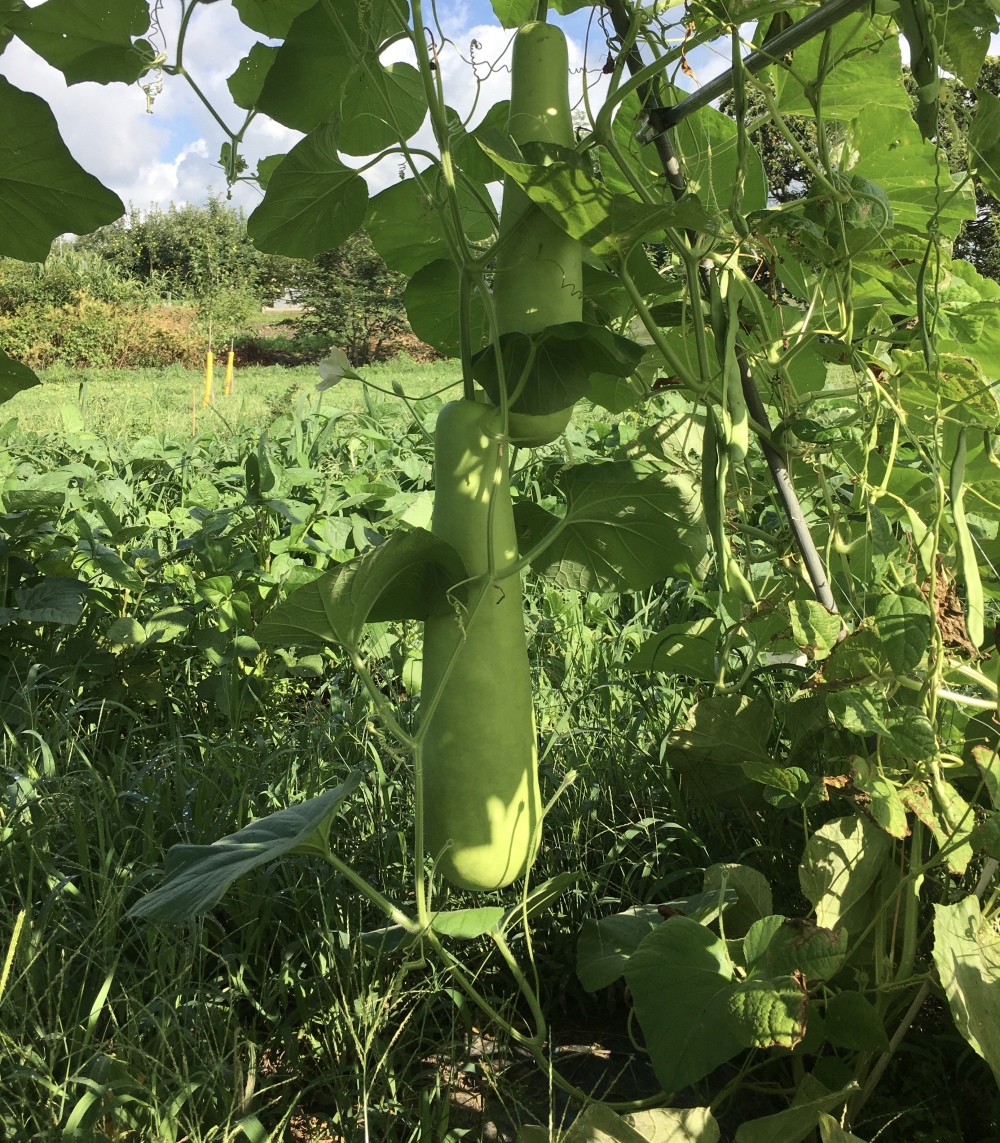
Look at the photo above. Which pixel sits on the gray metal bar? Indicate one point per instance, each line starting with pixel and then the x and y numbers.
pixel 661 119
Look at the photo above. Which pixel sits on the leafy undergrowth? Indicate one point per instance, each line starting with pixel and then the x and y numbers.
pixel 140 712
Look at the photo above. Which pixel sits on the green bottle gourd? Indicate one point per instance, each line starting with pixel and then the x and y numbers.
pixel 539 273
pixel 481 801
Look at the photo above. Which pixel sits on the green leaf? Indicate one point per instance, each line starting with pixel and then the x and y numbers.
pixel 247 80
pixel 794 1123
pixel 513 13
pixel 814 628
pixel 15 377
pixel 466 924
pixel 753 894
pixel 51 599
pixel 904 626
pixel 406 577
pixel 730 729
pixel 405 226
pixel 266 168
pixel 606 943
pixel 680 649
pixel 680 978
pixel 967 956
pixel 432 308
pixel 984 141
pixel 892 154
pixel 272 18
pixel 88 40
pixel 856 659
pixel 839 866
pixel 851 1022
pixel 313 202
pixel 769 1013
pixel 795 945
pixel 468 155
pixel 305 84
pixel 830 1131
pixel 675 1125
pixel 867 71
pixel 885 804
pixel 607 223
pixel 380 107
pixel 859 711
pixel 8 10
pixel 913 737
pixel 619 533
pixel 196 876
pixel 988 764
pixel 556 362
pixel 44 192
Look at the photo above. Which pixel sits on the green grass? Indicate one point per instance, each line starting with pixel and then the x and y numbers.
pixel 126 403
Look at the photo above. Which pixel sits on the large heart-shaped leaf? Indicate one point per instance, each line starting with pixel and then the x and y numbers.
pixel 313 202
pixel 14 377
pixel 44 192
pixel 409 576
pixel 381 106
pixel 196 876
pixel 553 366
pixel 247 80
pixel 619 533
pixel 272 18
pixel 88 40
pixel 841 861
pixel 432 308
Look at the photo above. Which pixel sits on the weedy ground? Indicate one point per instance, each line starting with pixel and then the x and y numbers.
pixel 270 1018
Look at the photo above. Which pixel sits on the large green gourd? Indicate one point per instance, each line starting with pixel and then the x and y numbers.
pixel 481 799
pixel 539 272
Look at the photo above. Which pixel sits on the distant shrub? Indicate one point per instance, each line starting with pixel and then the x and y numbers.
pixel 91 332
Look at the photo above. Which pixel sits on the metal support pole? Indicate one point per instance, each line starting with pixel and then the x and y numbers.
pixel 675 178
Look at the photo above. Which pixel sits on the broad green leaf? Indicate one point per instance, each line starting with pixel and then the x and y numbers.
pixel 380 107
pixel 730 729
pixel 597 1123
pixel 87 40
pixel 266 168
pixel 986 836
pixel 953 825
pixel 856 659
pixel 675 1125
pixel 14 377
pixel 867 71
pixel 841 863
pixel 272 18
pixel 904 626
pixel 795 945
pixel 432 308
pixel 769 1012
pixel 796 1122
pixel 8 10
pixel 892 153
pixel 967 956
pixel 404 224
pixel 465 924
pixel 126 632
pixel 555 364
pixel 619 533
pixel 513 13
pixel 606 943
pixel 313 202
pixel 988 763
pixel 196 876
pixel 885 804
pixel 406 577
pixel 51 599
pixel 957 385
pixel 303 89
pixel 247 80
pixel 830 1131
pixel 753 895
pixel 814 628
pixel 984 141
pixel 609 224
pixel 851 1022
pixel 44 192
pixel 859 710
pixel 680 978
pixel 912 736
pixel 469 156
pixel 680 649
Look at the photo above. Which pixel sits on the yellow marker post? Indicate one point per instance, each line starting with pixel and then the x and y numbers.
pixel 227 388
pixel 209 386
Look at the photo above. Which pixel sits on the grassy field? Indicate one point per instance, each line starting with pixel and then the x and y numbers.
pixel 124 403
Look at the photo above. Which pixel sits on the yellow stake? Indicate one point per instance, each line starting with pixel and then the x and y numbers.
pixel 227 388
pixel 209 388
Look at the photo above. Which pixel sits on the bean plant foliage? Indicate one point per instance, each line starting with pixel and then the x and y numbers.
pixel 860 701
